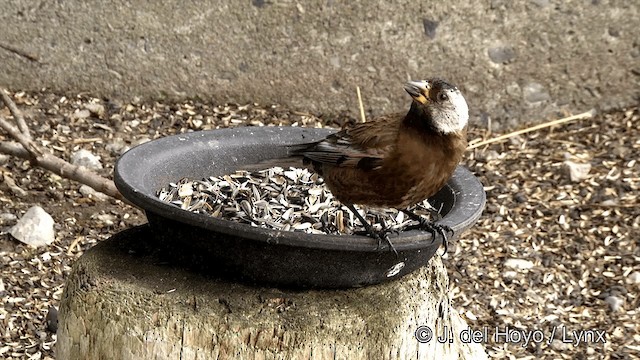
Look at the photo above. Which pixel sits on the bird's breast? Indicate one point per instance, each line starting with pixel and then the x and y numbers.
pixel 415 171
pixel 389 186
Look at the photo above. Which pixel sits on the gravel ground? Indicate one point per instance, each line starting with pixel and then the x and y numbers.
pixel 550 253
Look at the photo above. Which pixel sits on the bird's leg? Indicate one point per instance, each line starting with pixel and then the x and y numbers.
pixel 378 235
pixel 424 224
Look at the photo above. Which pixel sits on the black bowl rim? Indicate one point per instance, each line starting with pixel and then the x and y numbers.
pixel 468 193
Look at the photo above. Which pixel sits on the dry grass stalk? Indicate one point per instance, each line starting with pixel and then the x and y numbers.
pixel 586 115
pixel 360 105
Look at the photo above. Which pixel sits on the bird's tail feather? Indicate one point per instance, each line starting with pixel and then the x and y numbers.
pixel 293 158
pixel 299 149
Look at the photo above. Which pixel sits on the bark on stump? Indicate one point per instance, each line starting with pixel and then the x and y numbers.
pixel 119 303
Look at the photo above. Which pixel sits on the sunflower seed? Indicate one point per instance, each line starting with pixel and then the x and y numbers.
pixel 185 189
pixel 275 198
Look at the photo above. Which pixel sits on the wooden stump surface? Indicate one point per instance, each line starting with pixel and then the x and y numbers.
pixel 120 303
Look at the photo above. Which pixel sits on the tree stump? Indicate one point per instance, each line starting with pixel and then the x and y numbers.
pixel 120 303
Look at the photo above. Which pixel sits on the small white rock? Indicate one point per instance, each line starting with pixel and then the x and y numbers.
pixel 95 109
pixel 108 219
pixel 577 171
pixel 87 159
pixel 81 114
pixel 519 264
pixel 35 228
pixel 634 278
pixel 615 303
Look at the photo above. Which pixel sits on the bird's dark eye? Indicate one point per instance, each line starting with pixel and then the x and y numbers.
pixel 443 97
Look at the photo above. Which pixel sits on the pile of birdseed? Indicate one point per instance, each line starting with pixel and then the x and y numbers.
pixel 291 200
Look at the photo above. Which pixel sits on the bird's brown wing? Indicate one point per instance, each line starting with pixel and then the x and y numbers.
pixel 363 145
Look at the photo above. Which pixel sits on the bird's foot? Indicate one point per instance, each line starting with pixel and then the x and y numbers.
pixel 381 235
pixel 434 229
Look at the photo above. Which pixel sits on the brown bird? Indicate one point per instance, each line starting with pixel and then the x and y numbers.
pixel 395 161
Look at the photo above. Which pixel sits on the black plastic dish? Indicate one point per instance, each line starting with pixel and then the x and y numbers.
pixel 259 255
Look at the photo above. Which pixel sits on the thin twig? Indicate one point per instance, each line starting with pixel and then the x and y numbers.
pixel 22 125
pixel 66 170
pixel 27 149
pixel 362 116
pixel 585 115
pixel 29 145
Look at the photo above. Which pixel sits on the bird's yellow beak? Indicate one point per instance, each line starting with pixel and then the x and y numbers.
pixel 419 90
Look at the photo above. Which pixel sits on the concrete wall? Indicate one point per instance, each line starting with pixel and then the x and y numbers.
pixel 514 60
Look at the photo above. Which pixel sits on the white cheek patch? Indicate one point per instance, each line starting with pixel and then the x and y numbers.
pixel 459 118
